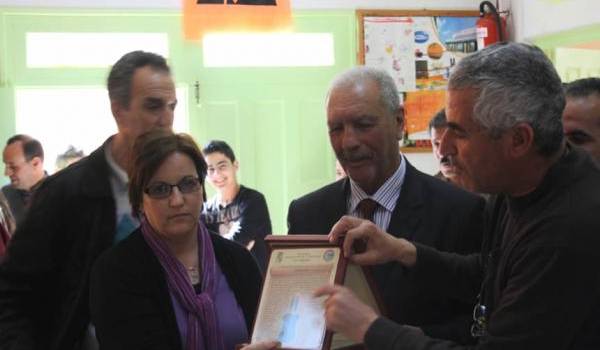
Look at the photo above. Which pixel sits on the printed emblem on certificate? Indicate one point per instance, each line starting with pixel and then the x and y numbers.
pixel 288 312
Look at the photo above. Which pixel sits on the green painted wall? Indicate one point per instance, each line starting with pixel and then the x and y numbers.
pixel 570 37
pixel 573 63
pixel 273 117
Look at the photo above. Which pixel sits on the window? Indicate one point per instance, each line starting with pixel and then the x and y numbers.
pixel 268 50
pixel 56 50
pixel 80 116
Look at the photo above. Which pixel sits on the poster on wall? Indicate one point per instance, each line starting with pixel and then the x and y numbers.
pixel 418 49
pixel 389 43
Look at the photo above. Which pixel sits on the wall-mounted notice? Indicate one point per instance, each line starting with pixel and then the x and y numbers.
pixel 419 50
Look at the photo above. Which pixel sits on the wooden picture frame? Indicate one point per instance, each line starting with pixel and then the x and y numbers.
pixel 418 48
pixel 297 265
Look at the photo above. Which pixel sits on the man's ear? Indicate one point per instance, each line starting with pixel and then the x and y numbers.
pixel 521 139
pixel 399 118
pixel 236 165
pixel 37 162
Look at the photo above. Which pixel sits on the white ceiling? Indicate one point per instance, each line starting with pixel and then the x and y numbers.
pixel 296 4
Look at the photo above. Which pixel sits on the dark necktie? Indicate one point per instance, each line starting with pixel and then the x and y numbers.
pixel 366 208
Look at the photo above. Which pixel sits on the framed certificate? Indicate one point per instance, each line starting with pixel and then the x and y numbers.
pixel 288 312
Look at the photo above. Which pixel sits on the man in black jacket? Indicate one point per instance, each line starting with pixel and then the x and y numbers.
pixel 23 159
pixel 236 212
pixel 77 214
pixel 537 279
pixel 365 122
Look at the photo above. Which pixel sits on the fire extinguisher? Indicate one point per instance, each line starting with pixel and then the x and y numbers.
pixel 491 27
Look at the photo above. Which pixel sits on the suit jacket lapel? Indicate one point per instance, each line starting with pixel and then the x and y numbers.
pixel 406 216
pixel 333 207
pixel 338 207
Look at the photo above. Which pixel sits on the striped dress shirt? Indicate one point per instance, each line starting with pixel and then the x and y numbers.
pixel 386 196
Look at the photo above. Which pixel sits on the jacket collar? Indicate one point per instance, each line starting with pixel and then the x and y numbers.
pixel 406 217
pixel 95 180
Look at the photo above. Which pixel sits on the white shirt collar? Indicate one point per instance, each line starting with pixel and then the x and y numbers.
pixel 118 173
pixel 386 195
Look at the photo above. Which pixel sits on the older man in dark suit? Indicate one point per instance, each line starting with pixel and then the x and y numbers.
pixel 365 122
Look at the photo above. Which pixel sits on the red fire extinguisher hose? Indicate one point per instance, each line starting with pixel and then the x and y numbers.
pixel 493 10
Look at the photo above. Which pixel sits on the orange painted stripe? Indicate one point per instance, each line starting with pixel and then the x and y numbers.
pixel 199 19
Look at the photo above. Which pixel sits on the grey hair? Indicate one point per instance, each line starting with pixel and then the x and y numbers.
pixel 516 83
pixel 388 92
pixel 120 78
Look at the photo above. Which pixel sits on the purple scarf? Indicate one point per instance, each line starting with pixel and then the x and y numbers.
pixel 203 331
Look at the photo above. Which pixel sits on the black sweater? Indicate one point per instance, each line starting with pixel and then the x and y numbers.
pixel 542 268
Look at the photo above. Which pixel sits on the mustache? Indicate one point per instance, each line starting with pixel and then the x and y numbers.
pixel 353 156
pixel 446 160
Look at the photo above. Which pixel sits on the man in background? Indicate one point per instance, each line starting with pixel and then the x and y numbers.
pixel 236 212
pixel 23 159
pixel 70 156
pixel 78 213
pixel 581 117
pixel 437 127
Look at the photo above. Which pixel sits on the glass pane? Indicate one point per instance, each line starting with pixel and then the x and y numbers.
pixel 60 117
pixel 54 50
pixel 268 50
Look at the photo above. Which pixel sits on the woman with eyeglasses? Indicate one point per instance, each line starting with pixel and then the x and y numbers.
pixel 172 284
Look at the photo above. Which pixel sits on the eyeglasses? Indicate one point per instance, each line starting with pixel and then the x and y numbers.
pixel 479 326
pixel 161 190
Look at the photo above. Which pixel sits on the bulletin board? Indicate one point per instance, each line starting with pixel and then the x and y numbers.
pixel 419 49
